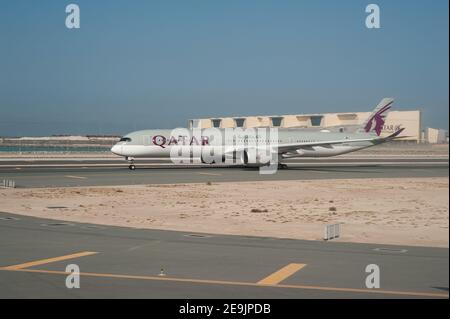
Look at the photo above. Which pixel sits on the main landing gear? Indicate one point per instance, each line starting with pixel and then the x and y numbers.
pixel 282 166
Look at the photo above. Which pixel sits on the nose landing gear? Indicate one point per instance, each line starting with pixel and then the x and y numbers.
pixel 131 161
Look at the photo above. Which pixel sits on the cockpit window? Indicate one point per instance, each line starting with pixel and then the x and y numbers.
pixel 125 139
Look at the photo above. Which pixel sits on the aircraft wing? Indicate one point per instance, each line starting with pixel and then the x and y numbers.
pixel 289 147
pixel 283 148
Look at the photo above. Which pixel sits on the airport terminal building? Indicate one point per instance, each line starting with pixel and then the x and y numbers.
pixel 410 120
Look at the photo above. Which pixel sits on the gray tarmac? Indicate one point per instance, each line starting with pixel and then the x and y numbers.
pixel 88 172
pixel 117 262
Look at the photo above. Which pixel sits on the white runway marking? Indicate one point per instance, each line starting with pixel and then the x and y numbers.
pixel 210 174
pixel 76 177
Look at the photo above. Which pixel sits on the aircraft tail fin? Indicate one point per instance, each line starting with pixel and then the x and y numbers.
pixel 375 121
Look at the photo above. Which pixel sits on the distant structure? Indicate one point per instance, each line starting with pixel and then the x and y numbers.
pixel 435 136
pixel 410 120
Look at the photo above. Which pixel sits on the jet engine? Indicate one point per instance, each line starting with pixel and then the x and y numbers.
pixel 253 157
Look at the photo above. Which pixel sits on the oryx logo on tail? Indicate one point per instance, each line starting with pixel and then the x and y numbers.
pixel 376 120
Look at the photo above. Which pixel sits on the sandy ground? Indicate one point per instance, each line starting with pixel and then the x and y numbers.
pixel 388 211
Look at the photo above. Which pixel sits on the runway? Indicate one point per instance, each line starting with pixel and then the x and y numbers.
pixel 118 262
pixel 103 172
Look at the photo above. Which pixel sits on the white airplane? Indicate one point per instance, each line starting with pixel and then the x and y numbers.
pixel 214 146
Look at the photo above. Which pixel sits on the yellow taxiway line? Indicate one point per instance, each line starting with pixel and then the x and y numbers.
pixel 239 283
pixel 48 260
pixel 281 274
pixel 270 281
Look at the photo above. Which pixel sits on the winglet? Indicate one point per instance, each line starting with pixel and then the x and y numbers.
pixel 395 134
pixel 389 138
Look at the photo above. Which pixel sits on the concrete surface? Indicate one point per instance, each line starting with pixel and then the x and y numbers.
pixel 127 263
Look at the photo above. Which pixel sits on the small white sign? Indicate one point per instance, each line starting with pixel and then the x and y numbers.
pixel 332 231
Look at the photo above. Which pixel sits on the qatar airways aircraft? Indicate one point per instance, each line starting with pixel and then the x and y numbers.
pixel 253 147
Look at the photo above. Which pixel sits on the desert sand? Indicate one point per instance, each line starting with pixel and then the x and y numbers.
pixel 385 211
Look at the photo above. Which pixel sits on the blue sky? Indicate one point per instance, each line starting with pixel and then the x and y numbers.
pixel 155 64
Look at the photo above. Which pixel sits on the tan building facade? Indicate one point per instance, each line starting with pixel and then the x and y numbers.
pixel 410 120
pixel 435 136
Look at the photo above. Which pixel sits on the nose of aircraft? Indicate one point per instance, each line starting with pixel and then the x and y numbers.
pixel 117 149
